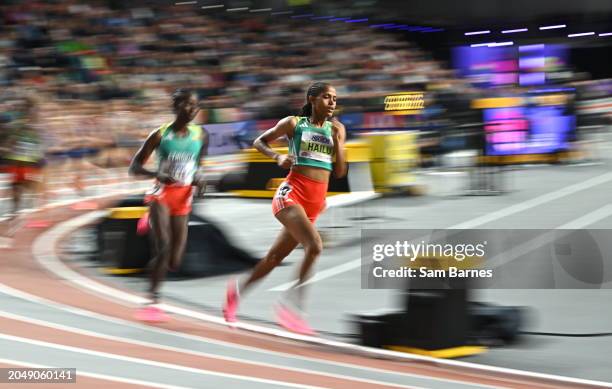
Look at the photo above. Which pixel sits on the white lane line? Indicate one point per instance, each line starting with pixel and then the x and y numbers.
pixel 588 219
pixel 62 203
pixel 147 362
pixel 543 199
pixel 473 223
pixel 80 331
pixel 196 338
pixel 550 236
pixel 45 256
pixel 321 275
pixel 48 260
pixel 105 377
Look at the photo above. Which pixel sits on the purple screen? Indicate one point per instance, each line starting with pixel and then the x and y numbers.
pixel 526 130
pixel 509 65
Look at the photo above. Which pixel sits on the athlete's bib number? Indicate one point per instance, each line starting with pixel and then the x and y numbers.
pixel 182 171
pixel 284 189
pixel 316 146
pixel 27 149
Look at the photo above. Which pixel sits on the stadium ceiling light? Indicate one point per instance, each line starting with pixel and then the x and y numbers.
pixel 515 30
pixel 282 13
pixel 606 34
pixel 261 10
pixel 213 6
pixel 356 20
pixel 237 9
pixel 338 19
pixel 478 32
pixel 302 16
pixel 580 34
pixel 553 27
pixel 481 44
pixel 499 44
pixel 186 3
pixel 322 17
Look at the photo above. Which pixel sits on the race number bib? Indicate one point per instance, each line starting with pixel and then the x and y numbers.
pixel 283 190
pixel 28 149
pixel 182 171
pixel 316 146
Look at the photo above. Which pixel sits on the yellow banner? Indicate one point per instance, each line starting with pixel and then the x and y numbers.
pixel 406 102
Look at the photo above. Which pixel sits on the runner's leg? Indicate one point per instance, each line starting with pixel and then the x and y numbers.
pixel 179 226
pixel 160 224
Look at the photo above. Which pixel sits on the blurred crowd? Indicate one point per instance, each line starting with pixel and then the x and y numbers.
pixel 102 71
pixel 103 75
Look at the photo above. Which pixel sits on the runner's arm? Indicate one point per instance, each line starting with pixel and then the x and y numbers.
pixel 339 135
pixel 284 127
pixel 142 156
pixel 199 180
pixel 204 149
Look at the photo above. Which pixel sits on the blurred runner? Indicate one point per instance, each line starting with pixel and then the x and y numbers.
pixel 316 148
pixel 23 161
pixel 5 241
pixel 180 147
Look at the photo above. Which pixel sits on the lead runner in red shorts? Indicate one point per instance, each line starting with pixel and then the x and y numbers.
pixel 302 190
pixel 316 150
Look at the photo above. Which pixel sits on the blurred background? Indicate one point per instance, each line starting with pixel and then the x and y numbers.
pixel 101 72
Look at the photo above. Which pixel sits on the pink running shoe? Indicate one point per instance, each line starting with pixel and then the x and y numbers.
pixel 151 314
pixel 142 227
pixel 292 321
pixel 231 302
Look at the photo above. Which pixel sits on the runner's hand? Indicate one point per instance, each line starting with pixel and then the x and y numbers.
pixel 338 133
pixel 200 184
pixel 165 179
pixel 285 160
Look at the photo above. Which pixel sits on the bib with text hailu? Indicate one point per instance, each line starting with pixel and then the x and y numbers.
pixel 316 146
